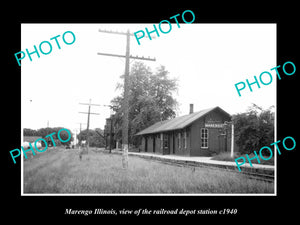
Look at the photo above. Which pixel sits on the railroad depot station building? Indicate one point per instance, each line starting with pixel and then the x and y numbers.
pixel 200 133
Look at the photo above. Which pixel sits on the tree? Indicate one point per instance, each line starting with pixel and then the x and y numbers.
pixel 150 100
pixel 254 129
pixel 43 132
pixel 96 138
pixel 29 132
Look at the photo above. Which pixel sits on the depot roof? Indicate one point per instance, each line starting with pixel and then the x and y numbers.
pixel 178 122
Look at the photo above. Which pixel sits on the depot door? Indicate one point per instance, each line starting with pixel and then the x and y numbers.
pixel 166 144
pixel 146 144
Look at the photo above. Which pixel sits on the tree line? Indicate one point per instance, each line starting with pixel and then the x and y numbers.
pixel 96 137
pixel 254 128
pixel 43 132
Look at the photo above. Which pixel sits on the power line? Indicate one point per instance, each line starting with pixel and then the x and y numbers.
pixel 125 104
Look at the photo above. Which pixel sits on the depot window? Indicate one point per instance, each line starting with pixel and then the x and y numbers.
pixel 204 138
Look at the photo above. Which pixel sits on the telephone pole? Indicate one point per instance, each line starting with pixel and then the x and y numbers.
pixel 125 104
pixel 88 121
pixel 79 133
pixel 80 126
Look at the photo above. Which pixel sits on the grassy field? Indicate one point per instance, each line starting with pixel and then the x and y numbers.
pixel 61 171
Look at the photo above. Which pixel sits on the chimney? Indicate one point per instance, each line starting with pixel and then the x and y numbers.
pixel 191 108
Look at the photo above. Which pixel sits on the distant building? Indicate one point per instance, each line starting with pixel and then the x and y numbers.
pixel 201 133
pixel 31 140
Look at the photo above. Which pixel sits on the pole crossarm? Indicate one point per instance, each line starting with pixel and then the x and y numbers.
pixel 124 56
pixel 119 32
pixel 89 113
pixel 115 55
pixel 142 58
pixel 115 32
pixel 89 104
pixel 88 120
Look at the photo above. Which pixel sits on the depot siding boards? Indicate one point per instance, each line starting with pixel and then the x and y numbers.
pixel 196 134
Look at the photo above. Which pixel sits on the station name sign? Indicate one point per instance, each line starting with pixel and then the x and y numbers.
pixel 214 125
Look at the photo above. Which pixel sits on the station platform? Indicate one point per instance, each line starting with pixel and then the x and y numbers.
pixel 202 161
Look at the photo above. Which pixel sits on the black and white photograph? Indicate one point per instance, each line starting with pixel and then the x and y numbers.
pixel 178 128
pixel 144 110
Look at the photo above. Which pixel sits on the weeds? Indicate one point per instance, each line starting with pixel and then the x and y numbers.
pixel 63 172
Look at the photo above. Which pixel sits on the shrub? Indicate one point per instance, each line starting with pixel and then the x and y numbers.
pixel 254 129
pixel 225 156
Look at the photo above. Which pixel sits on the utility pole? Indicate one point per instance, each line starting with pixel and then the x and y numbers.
pixel 80 132
pixel 125 104
pixel 88 121
pixel 80 126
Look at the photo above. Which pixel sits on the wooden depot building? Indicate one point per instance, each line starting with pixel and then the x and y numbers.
pixel 200 133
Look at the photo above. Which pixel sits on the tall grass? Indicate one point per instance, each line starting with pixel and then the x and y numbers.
pixel 61 171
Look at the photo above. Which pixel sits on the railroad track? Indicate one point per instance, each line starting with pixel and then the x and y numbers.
pixel 260 176
pixel 193 165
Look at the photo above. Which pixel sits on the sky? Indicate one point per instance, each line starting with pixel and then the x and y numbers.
pixel 207 59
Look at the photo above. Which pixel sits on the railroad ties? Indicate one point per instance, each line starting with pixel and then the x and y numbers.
pixel 250 172
pixel 261 174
